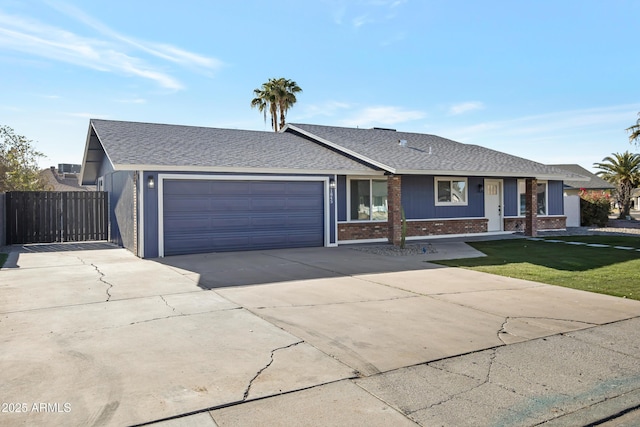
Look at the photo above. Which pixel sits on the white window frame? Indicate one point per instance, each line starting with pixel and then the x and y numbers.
pixel 546 197
pixel 450 179
pixel 370 179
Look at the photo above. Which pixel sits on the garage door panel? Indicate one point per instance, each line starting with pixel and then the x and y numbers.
pixel 191 223
pixel 189 204
pixel 179 187
pixel 271 203
pixel 230 188
pixel 242 215
pixel 301 203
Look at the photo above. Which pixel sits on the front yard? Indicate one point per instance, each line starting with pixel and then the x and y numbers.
pixel 605 270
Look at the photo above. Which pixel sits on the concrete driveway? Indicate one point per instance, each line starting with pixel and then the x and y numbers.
pixel 92 335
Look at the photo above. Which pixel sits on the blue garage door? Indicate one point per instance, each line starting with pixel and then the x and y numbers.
pixel 217 216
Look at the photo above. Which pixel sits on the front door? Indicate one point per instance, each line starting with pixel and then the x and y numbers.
pixel 493 204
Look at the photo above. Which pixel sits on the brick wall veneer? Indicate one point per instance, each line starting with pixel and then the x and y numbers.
pixel 441 227
pixel 379 230
pixel 543 223
pixel 365 230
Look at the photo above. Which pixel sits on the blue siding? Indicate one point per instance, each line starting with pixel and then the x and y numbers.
pixel 510 197
pixel 105 167
pixel 342 197
pixel 207 216
pixel 150 216
pixel 555 198
pixel 333 222
pixel 120 188
pixel 418 199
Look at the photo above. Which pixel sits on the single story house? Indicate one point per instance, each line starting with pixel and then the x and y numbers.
pixel 64 178
pixel 185 189
pixel 594 182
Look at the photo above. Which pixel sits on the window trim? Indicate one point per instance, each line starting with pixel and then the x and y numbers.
pixel 370 179
pixel 450 179
pixel 546 197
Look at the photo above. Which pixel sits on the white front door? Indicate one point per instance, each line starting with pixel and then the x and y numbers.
pixel 493 204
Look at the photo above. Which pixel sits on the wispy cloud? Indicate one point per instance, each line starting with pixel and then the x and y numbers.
pixel 465 107
pixel 326 109
pixel 359 21
pixel 552 123
pixel 382 115
pixel 132 101
pixel 163 51
pixel 84 115
pixel 112 52
pixel 364 12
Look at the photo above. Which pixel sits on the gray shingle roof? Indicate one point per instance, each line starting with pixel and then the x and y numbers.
pixel 594 183
pixel 147 144
pixel 55 182
pixel 429 153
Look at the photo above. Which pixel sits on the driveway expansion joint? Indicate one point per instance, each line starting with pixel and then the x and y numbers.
pixel 271 359
pixel 326 304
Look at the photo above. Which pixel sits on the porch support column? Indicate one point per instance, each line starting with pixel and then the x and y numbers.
pixel 394 203
pixel 531 209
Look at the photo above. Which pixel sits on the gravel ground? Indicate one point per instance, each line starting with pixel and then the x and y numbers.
pixel 615 227
pixel 388 249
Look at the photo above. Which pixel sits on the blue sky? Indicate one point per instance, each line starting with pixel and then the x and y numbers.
pixel 552 81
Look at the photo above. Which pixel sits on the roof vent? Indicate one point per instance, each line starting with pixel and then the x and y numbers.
pixel 389 129
pixel 402 143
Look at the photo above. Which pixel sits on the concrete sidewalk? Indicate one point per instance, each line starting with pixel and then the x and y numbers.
pixel 326 336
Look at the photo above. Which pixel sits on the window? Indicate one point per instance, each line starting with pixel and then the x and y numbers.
pixel 368 200
pixel 451 191
pixel 542 197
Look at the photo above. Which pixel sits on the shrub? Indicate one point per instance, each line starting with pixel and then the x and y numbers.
pixel 595 207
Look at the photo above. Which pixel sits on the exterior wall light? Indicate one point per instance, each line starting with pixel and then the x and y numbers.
pixel 480 188
pixel 150 183
pixel 332 183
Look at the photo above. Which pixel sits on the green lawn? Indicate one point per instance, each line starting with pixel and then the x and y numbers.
pixel 3 258
pixel 604 270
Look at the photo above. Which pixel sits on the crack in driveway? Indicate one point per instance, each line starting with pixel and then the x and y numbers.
pixel 504 331
pixel 271 359
pixel 102 276
pixel 169 305
pixel 486 380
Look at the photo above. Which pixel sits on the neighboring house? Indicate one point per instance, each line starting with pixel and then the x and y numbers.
pixel 635 199
pixel 182 189
pixel 64 178
pixel 594 183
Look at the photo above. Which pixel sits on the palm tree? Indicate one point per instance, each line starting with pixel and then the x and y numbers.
pixel 635 131
pixel 622 170
pixel 265 100
pixel 277 96
pixel 286 96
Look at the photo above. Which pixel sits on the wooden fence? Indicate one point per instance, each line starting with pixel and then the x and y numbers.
pixel 56 216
